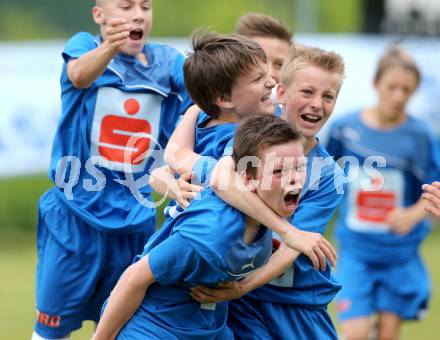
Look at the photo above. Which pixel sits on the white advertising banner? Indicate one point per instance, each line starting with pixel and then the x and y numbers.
pixel 30 93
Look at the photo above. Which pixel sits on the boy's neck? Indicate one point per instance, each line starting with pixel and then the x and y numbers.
pixel 142 58
pixel 375 119
pixel 224 117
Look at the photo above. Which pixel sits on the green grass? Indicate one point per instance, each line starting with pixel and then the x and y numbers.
pixel 18 259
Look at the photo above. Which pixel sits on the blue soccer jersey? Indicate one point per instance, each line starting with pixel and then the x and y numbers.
pixel 301 284
pixel 109 132
pixel 211 143
pixel 203 245
pixel 384 169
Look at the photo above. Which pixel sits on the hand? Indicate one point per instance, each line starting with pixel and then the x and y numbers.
pixel 313 245
pixel 116 33
pixel 226 291
pixel 402 220
pixel 432 195
pixel 187 191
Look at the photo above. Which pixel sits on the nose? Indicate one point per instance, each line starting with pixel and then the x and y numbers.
pixel 316 103
pixel 270 82
pixel 138 15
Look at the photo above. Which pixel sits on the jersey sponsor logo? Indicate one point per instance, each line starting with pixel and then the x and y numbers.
pixel 52 321
pixel 123 125
pixel 249 265
pixel 371 199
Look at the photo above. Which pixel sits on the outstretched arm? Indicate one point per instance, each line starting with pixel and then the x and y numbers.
pixel 83 71
pixel 227 184
pixel 431 193
pixel 125 299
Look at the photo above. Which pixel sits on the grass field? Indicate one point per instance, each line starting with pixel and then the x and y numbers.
pixel 18 259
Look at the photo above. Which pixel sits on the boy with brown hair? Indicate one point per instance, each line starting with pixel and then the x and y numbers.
pixel 272 35
pixel 209 242
pixel 293 303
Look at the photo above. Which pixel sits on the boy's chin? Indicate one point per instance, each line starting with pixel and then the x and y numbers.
pixel 132 49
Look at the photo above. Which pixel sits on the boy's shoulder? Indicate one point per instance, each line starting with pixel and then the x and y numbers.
pixel 162 52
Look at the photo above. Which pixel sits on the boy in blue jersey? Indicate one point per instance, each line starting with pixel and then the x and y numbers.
pixel 293 305
pixel 210 242
pixel 381 222
pixel 120 98
pixel 211 86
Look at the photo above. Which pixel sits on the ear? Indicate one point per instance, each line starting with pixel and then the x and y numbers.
pixel 281 94
pixel 98 15
pixel 249 182
pixel 224 103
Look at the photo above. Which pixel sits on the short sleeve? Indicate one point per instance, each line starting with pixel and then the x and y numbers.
pixel 334 143
pixel 433 170
pixel 318 204
pixel 78 45
pixel 173 260
pixel 178 84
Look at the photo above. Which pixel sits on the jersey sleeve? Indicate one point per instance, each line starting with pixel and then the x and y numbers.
pixel 433 167
pixel 319 203
pixel 173 260
pixel 78 45
pixel 334 143
pixel 178 85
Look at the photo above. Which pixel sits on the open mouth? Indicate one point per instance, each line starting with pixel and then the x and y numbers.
pixel 291 198
pixel 136 34
pixel 310 118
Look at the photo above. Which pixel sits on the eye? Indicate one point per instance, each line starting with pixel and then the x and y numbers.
pixel 307 92
pixel 277 171
pixel 329 97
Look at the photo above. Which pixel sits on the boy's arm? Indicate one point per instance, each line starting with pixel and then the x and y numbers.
pixel 125 299
pixel 403 220
pixel 278 263
pixel 431 193
pixel 227 184
pixel 83 71
pixel 179 154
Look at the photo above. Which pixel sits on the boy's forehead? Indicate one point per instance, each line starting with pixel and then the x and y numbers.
pixel 280 152
pixel 312 74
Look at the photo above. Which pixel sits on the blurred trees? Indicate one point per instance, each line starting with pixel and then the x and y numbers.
pixel 51 19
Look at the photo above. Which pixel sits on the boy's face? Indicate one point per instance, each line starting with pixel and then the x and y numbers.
pixel 138 15
pixel 395 87
pixel 276 50
pixel 310 98
pixel 251 92
pixel 280 177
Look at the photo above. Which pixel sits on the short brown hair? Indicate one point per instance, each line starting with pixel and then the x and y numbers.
pixel 215 63
pixel 259 25
pixel 396 56
pixel 300 56
pixel 258 132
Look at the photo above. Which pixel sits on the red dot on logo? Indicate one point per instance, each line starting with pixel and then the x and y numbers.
pixel 131 106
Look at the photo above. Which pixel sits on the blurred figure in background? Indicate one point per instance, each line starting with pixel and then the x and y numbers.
pixel 273 36
pixel 381 222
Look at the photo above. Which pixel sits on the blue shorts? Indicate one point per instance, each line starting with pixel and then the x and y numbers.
pixel 256 320
pixel 401 288
pixel 77 267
